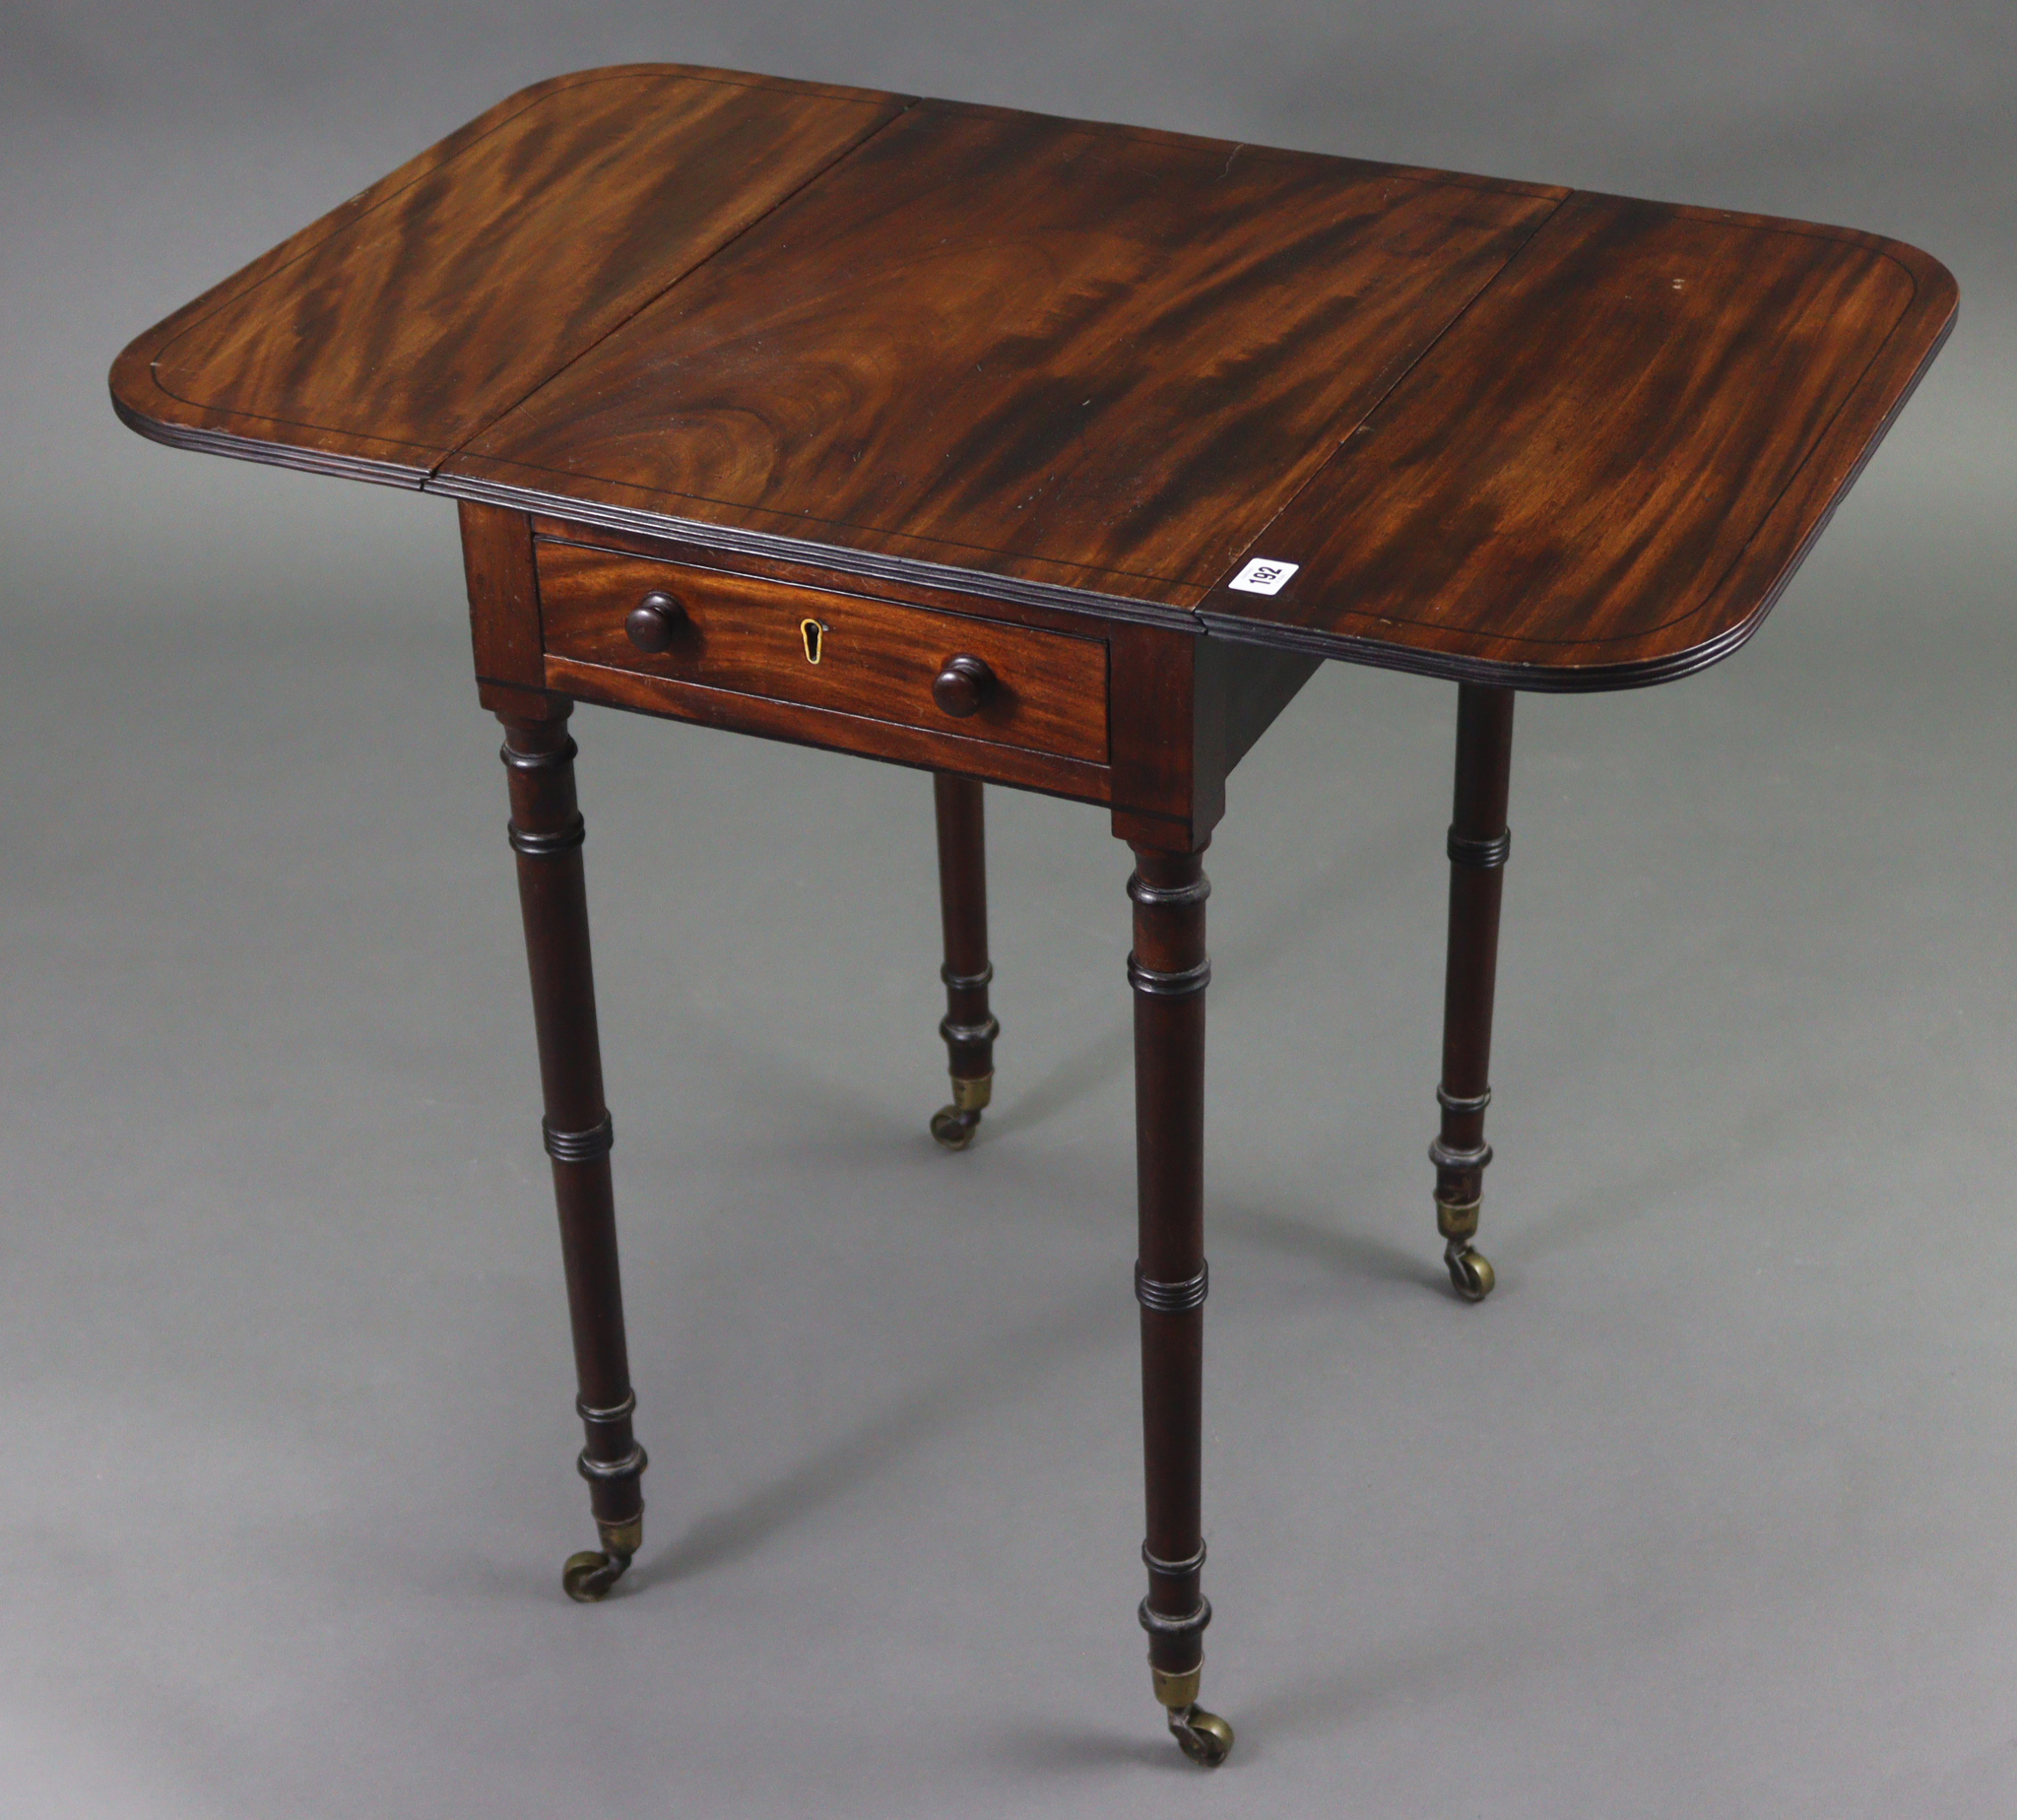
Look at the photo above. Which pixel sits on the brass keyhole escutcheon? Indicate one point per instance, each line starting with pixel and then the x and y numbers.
pixel 814 633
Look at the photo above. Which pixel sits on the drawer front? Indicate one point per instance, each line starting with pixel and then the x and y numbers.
pixel 1044 691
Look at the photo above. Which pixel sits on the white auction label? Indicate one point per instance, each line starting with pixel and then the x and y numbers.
pixel 1261 577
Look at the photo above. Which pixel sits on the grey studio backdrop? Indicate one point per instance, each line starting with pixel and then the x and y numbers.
pixel 1709 1511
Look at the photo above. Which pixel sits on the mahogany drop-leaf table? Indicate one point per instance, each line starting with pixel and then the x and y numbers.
pixel 1037 452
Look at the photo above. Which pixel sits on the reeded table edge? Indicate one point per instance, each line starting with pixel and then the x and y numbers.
pixel 840 558
pixel 411 479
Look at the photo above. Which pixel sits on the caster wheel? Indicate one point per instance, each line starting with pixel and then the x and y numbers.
pixel 954 1129
pixel 1202 1736
pixel 1470 1273
pixel 588 1576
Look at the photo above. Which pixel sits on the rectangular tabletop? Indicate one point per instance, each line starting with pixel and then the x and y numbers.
pixel 1495 431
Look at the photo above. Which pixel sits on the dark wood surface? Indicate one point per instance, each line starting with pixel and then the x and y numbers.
pixel 1169 970
pixel 1506 433
pixel 506 632
pixel 1180 710
pixel 1047 692
pixel 1609 468
pixel 1478 843
pixel 547 834
pixel 835 729
pixel 969 1027
pixel 379 340
pixel 998 340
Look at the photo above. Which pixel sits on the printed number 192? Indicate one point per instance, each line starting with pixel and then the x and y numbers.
pixel 1261 576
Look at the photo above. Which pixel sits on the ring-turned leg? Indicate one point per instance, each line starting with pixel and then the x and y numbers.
pixel 547 834
pixel 1169 971
pixel 969 1028
pixel 1478 841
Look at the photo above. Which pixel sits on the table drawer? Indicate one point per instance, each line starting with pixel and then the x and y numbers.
pixel 1041 691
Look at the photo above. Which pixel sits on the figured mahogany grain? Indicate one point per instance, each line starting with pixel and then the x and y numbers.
pixel 1607 470
pixel 503 596
pixel 1028 345
pixel 834 730
pixel 384 336
pixel 877 658
pixel 1506 433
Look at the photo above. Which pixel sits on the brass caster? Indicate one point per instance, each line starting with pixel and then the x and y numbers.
pixel 1470 1272
pixel 1202 1736
pixel 588 1576
pixel 953 1128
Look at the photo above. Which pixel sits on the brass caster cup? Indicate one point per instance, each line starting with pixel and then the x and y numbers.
pixel 954 1126
pixel 588 1576
pixel 1470 1272
pixel 1202 1736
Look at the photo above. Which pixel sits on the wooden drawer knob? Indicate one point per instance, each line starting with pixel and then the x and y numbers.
pixel 962 686
pixel 654 621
